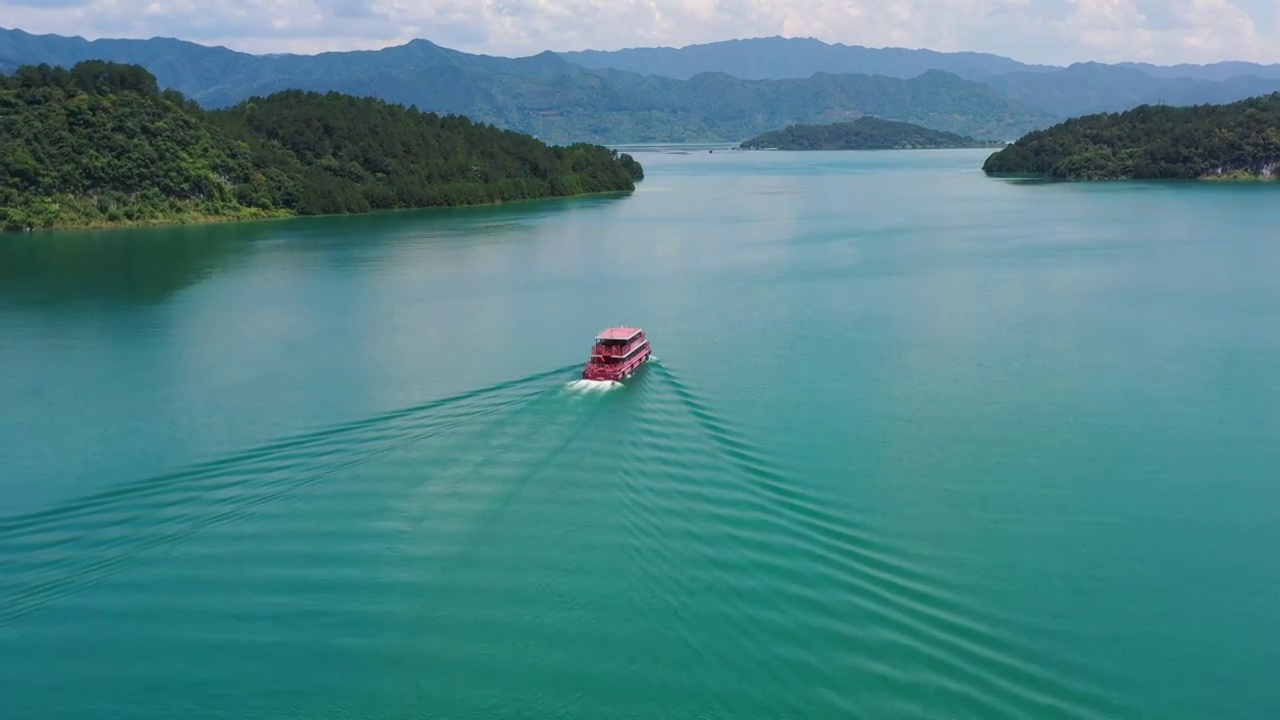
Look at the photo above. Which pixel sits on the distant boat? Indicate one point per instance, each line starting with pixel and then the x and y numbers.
pixel 617 353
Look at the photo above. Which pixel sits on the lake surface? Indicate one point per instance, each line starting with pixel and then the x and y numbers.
pixel 917 444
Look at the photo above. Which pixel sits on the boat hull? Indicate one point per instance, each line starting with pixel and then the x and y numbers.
pixel 618 372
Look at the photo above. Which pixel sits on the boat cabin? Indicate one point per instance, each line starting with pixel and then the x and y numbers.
pixel 616 354
pixel 616 343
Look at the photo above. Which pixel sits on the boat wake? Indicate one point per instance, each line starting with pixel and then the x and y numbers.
pixel 502 521
pixel 585 387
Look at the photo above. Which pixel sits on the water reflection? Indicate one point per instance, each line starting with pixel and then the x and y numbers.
pixel 146 266
pixel 132 267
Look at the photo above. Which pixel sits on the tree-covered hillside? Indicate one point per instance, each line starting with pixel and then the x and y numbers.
pixel 866 133
pixel 101 144
pixel 1239 139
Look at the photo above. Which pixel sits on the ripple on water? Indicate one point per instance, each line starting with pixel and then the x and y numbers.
pixel 577 548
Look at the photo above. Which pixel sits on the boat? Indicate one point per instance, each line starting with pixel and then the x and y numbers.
pixel 617 353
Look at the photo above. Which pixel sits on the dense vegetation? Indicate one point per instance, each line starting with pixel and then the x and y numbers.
pixel 865 133
pixel 101 144
pixel 546 96
pixel 1241 139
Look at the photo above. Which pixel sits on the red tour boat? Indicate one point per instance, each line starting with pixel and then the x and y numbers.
pixel 617 353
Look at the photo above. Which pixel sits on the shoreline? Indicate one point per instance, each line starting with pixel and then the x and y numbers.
pixel 873 149
pixel 1227 178
pixel 283 215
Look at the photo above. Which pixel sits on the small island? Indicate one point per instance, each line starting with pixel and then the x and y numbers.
pixel 865 133
pixel 1239 140
pixel 100 145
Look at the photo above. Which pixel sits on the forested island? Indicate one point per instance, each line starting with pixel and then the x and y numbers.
pixel 865 133
pixel 100 144
pixel 1237 140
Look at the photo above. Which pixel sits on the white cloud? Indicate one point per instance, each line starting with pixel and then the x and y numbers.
pixel 1166 31
pixel 1226 30
pixel 1057 31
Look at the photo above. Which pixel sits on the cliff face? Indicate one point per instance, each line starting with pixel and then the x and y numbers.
pixel 1266 170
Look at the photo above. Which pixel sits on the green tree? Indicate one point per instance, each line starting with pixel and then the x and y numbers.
pixel 101 144
pixel 1152 142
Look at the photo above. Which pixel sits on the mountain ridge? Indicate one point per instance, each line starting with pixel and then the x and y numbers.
pixel 554 96
pixel 1061 91
pixel 625 58
pixel 1220 70
pixel 548 96
pixel 733 56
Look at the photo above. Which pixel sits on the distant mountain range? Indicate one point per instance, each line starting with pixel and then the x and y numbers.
pixel 1062 92
pixel 725 91
pixel 779 58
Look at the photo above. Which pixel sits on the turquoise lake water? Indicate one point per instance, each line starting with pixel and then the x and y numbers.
pixel 917 444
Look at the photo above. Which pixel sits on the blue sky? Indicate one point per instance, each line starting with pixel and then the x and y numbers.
pixel 1052 31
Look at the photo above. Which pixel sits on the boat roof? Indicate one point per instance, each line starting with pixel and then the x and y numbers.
pixel 618 333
